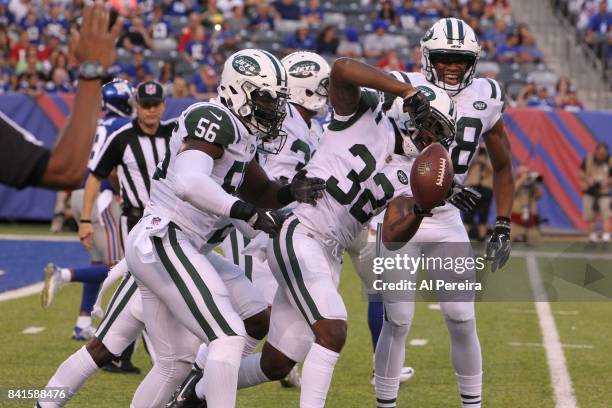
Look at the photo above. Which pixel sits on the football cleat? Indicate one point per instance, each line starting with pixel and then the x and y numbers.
pixel 406 374
pixel 83 333
pixel 53 283
pixel 185 395
pixel 293 379
pixel 121 367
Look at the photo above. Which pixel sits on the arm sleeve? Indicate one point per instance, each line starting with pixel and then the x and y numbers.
pixel 195 185
pixel 109 157
pixel 22 162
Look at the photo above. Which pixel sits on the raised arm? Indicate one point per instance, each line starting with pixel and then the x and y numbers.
pixel 95 43
pixel 349 75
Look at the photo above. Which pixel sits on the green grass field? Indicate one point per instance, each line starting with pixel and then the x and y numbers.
pixel 516 374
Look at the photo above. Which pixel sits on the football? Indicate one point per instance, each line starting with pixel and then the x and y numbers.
pixel 431 176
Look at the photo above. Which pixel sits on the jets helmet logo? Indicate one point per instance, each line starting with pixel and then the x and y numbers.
pixel 304 69
pixel 428 92
pixel 246 65
pixel 428 35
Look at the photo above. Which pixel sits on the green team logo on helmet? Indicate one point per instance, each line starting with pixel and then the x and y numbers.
pixel 428 35
pixel 428 92
pixel 246 65
pixel 304 69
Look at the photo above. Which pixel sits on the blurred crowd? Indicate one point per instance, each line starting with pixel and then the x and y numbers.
pixel 593 20
pixel 183 43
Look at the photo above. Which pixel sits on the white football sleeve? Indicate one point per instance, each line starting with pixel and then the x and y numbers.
pixel 194 184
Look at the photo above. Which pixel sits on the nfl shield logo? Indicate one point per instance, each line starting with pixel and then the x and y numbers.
pixel 150 89
pixel 424 168
pixel 155 221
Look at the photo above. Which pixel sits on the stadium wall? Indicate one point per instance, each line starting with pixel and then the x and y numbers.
pixel 550 142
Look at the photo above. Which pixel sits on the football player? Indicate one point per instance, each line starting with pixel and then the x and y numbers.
pixel 450 51
pixel 186 288
pixel 308 83
pixel 104 243
pixel 282 158
pixel 308 320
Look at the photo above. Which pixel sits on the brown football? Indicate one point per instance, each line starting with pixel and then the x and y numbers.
pixel 431 176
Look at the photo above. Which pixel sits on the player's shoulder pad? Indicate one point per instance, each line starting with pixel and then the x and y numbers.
pixel 489 93
pixel 369 99
pixel 210 122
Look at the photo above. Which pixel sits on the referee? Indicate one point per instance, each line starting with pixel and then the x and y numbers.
pixel 23 160
pixel 134 149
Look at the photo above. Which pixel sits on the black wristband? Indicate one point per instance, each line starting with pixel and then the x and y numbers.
pixel 242 211
pixel 85 221
pixel 502 224
pixel 284 196
pixel 502 219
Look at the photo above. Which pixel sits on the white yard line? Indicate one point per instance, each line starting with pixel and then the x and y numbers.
pixel 33 330
pixel 52 238
pixel 570 346
pixel 559 375
pixel 564 255
pixel 531 311
pixel 21 292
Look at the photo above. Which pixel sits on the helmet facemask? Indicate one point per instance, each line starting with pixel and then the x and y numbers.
pixel 265 111
pixel 436 129
pixel 459 79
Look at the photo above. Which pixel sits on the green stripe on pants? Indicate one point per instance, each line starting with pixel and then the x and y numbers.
pixel 281 264
pixel 182 288
pixel 295 266
pixel 199 282
pixel 120 306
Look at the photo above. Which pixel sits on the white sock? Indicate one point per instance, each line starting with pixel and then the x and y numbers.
pixel 605 237
pixel 388 362
pixel 71 374
pixel 250 345
pixel 593 237
pixel 66 275
pixel 250 373
pixel 221 375
pixel 83 321
pixel 200 360
pixel 470 387
pixel 317 373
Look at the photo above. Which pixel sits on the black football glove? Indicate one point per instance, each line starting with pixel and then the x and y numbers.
pixel 464 198
pixel 266 220
pixel 499 247
pixel 306 189
pixel 417 105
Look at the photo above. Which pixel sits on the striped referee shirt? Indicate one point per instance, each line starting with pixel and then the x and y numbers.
pixel 135 154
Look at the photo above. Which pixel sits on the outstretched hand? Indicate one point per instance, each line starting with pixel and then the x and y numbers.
pixel 307 189
pixel 96 40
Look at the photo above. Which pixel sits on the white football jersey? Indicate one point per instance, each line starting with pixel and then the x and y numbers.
pixel 351 157
pixel 479 107
pixel 213 122
pixel 301 143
